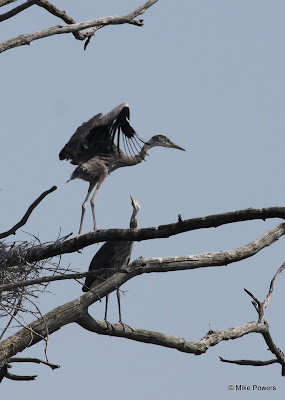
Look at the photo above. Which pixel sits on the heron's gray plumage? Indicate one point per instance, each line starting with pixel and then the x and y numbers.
pixel 93 149
pixel 113 255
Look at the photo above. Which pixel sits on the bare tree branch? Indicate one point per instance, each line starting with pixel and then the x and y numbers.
pixel 60 14
pixel 32 360
pixel 254 363
pixel 13 377
pixel 166 264
pixel 5 2
pixel 16 10
pixel 41 252
pixel 270 292
pixel 57 30
pixel 77 311
pixel 161 339
pixel 45 279
pixel 13 230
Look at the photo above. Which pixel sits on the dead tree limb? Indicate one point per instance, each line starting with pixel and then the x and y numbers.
pixel 45 251
pixel 25 218
pixel 76 27
pixel 166 264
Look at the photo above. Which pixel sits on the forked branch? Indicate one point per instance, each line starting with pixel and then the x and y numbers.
pixel 95 24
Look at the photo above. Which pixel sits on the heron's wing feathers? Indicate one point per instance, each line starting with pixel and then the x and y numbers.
pixel 101 135
pixel 111 256
pixel 75 148
pixel 113 132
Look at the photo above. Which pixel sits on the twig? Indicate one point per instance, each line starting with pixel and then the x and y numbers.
pixel 13 230
pixel 32 360
pixel 270 292
pixel 19 377
pixel 12 316
pixel 254 363
pixel 44 279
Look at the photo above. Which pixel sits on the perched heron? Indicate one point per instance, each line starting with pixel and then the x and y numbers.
pixel 113 255
pixel 93 149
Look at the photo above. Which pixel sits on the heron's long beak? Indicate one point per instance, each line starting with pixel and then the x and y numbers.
pixel 134 202
pixel 175 146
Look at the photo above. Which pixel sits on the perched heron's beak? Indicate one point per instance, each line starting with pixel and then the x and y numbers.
pixel 135 202
pixel 175 146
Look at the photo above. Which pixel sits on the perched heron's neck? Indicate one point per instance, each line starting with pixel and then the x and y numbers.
pixel 134 221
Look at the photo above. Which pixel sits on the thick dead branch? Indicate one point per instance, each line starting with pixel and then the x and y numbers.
pixel 166 264
pixel 76 309
pixel 212 221
pixel 72 28
pixel 13 230
pixel 161 339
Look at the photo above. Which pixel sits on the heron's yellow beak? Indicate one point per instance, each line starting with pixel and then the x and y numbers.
pixel 175 146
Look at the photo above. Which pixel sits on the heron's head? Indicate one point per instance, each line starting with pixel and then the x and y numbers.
pixel 160 140
pixel 135 204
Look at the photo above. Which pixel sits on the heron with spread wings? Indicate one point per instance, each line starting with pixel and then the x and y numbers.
pixel 92 148
pixel 113 255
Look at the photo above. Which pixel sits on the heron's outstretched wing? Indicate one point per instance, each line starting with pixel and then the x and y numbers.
pixel 101 136
pixel 75 148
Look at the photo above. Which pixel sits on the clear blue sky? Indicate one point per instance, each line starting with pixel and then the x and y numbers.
pixel 210 76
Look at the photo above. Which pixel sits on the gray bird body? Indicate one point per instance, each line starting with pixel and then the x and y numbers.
pixel 112 256
pixel 93 149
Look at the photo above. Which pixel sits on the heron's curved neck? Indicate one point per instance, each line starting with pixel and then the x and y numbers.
pixel 134 221
pixel 138 158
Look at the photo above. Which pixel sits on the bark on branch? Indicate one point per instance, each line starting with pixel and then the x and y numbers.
pixel 178 263
pixel 42 252
pixel 76 27
pixel 77 311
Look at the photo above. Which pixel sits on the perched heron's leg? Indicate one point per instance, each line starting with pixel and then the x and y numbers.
pixel 91 187
pixel 99 183
pixel 120 316
pixel 119 306
pixel 106 308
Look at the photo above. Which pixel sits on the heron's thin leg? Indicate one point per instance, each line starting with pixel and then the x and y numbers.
pixel 99 183
pixel 106 308
pixel 91 187
pixel 119 306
